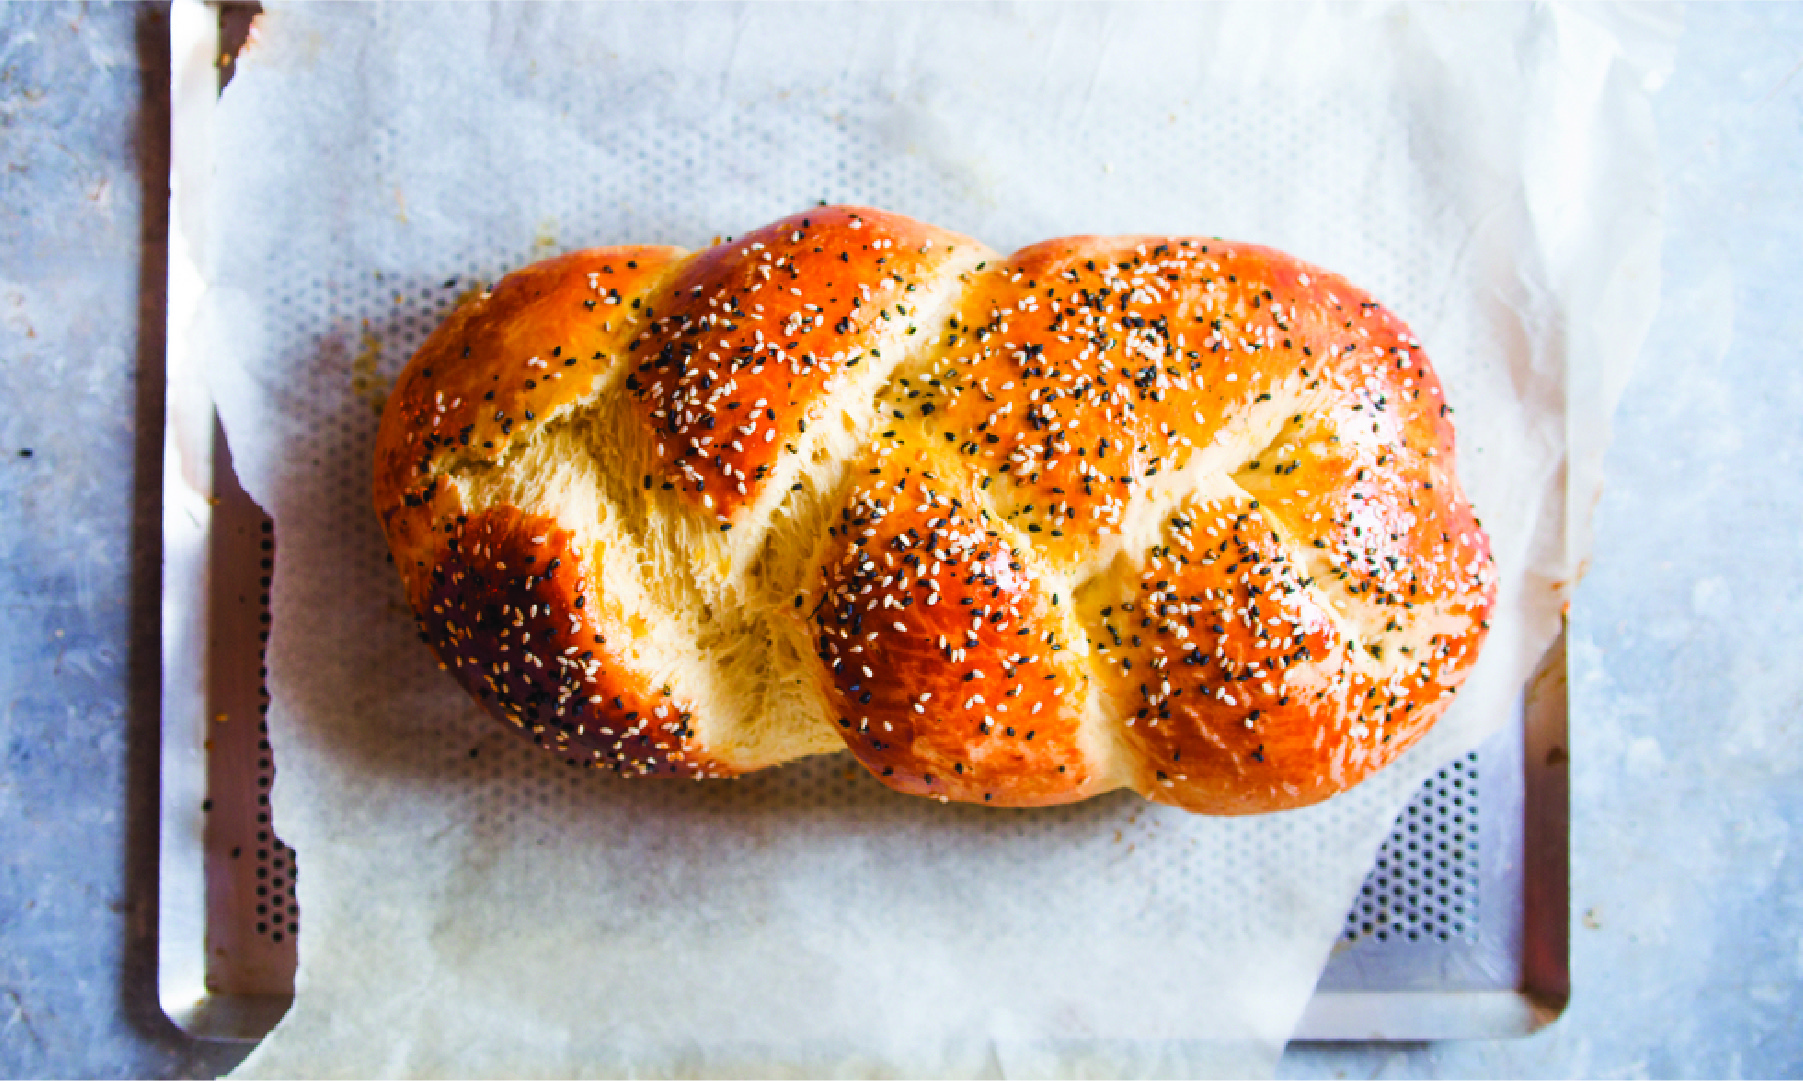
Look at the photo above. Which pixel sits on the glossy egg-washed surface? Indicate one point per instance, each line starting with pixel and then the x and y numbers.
pixel 1171 513
pixel 506 608
pixel 950 663
pixel 503 598
pixel 754 335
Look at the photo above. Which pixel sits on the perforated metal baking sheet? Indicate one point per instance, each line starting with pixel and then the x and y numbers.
pixel 1459 930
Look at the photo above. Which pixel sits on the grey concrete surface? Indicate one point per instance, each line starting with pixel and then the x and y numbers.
pixel 83 133
pixel 1687 683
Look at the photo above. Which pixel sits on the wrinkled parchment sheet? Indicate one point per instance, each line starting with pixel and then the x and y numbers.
pixel 469 908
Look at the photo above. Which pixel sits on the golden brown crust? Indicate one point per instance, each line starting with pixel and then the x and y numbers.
pixel 1235 677
pixel 740 357
pixel 950 680
pixel 1082 369
pixel 1167 512
pixel 501 364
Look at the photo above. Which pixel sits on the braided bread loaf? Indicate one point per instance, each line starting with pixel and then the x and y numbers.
pixel 1174 514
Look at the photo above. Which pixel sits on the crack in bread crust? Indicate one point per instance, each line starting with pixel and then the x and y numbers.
pixel 824 481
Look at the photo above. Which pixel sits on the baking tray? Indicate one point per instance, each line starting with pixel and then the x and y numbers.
pixel 1459 931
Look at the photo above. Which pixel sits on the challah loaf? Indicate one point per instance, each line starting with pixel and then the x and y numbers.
pixel 1168 513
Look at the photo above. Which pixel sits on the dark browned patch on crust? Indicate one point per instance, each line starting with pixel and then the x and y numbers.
pixel 506 610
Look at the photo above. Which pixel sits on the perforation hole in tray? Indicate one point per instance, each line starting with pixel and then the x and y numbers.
pixel 277 909
pixel 1424 885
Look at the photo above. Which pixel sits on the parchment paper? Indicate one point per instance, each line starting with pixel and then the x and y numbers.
pixel 471 909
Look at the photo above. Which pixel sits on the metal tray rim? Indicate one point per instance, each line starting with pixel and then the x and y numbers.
pixel 194 449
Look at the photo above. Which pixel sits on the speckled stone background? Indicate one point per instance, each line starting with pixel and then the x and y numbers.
pixel 1687 683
